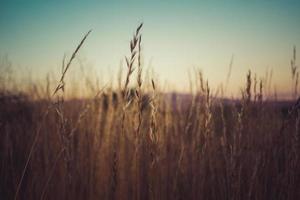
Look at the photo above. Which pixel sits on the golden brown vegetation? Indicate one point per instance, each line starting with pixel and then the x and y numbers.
pixel 138 143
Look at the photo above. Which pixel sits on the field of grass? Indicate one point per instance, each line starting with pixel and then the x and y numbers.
pixel 138 142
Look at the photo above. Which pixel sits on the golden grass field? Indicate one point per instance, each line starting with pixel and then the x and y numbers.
pixel 138 142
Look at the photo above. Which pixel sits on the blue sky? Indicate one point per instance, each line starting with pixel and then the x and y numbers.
pixel 177 36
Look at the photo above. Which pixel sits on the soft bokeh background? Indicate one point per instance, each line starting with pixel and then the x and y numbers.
pixel 177 36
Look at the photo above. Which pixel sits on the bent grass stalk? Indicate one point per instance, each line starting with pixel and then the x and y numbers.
pixel 60 86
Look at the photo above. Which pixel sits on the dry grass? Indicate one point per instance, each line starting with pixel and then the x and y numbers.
pixel 138 143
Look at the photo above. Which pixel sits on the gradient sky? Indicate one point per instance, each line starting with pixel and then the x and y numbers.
pixel 177 36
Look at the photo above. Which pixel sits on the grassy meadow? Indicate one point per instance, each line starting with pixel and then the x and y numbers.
pixel 136 141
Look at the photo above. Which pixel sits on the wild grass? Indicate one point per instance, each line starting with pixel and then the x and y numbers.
pixel 132 142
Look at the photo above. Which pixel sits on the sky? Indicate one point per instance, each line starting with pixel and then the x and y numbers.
pixel 177 37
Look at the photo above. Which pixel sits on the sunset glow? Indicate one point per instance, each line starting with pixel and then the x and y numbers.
pixel 177 36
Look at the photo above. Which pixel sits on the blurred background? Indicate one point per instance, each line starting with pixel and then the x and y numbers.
pixel 178 36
